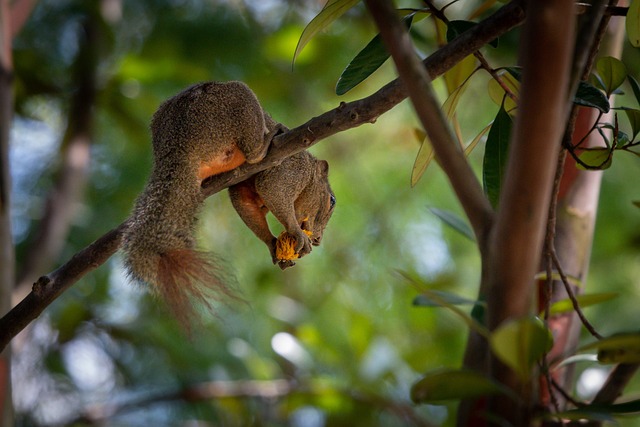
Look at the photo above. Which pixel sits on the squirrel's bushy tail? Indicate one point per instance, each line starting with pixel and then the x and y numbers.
pixel 185 279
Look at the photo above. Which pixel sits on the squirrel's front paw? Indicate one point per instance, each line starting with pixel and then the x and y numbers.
pixel 289 247
pixel 303 242
pixel 285 263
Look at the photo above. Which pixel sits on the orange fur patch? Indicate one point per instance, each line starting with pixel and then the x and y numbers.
pixel 230 160
pixel 186 278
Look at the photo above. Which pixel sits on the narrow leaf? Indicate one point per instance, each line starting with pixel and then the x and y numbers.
pixel 635 87
pixel 575 359
pixel 634 121
pixel 363 65
pixel 575 281
pixel 601 412
pixel 585 300
pixel 455 222
pixel 424 157
pixel 423 300
pixel 495 156
pixel 449 384
pixel 369 59
pixel 612 72
pixel 619 348
pixel 498 94
pixel 469 148
pixel 590 96
pixel 632 23
pixel 450 104
pixel 433 296
pixel 597 158
pixel 331 11
pixel 520 343
pixel 459 74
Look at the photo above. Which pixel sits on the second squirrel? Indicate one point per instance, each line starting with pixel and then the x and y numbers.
pixel 205 130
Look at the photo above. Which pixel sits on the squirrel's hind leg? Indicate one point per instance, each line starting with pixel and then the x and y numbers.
pixel 231 158
pixel 253 212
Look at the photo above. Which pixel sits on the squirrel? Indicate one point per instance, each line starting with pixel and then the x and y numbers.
pixel 205 130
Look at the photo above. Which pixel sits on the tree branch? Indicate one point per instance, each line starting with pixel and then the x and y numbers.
pixel 546 53
pixel 344 117
pixel 417 82
pixel 248 389
pixel 367 110
pixel 61 203
pixel 48 288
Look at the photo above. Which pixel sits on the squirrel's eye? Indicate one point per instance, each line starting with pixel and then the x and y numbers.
pixel 332 200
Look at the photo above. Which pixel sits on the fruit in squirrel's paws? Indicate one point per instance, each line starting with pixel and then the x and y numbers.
pixel 285 246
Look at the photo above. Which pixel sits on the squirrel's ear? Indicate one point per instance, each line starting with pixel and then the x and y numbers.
pixel 323 167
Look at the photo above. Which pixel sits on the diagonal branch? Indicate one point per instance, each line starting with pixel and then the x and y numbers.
pixel 344 117
pixel 353 114
pixel 48 288
pixel 417 82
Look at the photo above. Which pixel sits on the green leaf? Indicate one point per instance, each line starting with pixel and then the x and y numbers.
pixel 495 156
pixel 575 359
pixel 601 412
pixel 363 65
pixel 590 96
pixel 612 72
pixel 455 222
pixel 369 59
pixel 585 300
pixel 520 343
pixel 423 300
pixel 442 302
pixel 575 281
pixel 595 158
pixel 634 121
pixel 636 203
pixel 329 13
pixel 619 348
pixel 622 139
pixel 457 27
pixel 424 157
pixel 635 87
pixel 632 23
pixel 450 384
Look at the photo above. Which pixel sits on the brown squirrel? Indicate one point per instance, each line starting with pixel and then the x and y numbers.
pixel 203 131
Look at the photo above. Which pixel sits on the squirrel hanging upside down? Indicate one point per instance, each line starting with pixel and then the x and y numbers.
pixel 205 130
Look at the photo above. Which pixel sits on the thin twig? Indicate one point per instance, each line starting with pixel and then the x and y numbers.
pixel 572 295
pixel 484 64
pixel 616 382
pixel 349 115
pixel 267 390
pixel 566 395
pixel 417 82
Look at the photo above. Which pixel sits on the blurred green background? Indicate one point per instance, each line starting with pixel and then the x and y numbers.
pixel 340 327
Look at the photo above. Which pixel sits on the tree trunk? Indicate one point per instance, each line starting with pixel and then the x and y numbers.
pixel 6 243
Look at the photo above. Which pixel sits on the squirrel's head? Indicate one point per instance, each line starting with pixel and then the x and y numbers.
pixel 320 203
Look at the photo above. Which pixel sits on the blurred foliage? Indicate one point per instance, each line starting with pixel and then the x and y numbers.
pixel 340 326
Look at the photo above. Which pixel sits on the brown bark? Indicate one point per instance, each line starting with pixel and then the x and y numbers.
pixel 6 243
pixel 516 240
